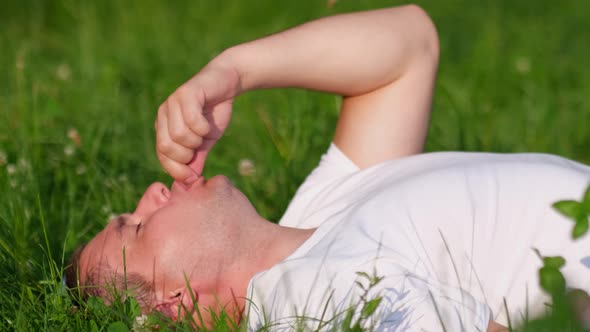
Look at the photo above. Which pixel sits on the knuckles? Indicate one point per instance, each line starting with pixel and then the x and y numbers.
pixel 162 110
pixel 164 146
pixel 185 138
pixel 175 143
pixel 171 167
pixel 174 151
pixel 197 123
pixel 178 136
pixel 183 91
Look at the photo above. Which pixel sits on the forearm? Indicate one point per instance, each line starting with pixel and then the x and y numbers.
pixel 384 62
pixel 348 54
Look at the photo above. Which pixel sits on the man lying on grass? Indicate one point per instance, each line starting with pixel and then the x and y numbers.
pixel 440 238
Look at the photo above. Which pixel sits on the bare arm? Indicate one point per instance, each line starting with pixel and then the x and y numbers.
pixel 383 63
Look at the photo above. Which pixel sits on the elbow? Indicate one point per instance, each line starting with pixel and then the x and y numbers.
pixel 425 35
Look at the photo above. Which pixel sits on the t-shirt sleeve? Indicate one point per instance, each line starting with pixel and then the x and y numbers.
pixel 333 166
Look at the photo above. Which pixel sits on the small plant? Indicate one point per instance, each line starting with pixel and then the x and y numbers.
pixel 552 280
pixel 578 212
pixel 368 305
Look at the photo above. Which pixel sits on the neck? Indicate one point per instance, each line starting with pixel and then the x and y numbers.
pixel 262 245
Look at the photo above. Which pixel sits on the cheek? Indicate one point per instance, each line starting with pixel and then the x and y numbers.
pixel 168 247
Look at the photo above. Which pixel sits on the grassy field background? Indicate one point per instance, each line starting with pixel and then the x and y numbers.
pixel 81 82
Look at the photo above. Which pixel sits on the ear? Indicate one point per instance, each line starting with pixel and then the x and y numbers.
pixel 176 301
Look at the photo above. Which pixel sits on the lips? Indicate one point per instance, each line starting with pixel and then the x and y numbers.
pixel 182 187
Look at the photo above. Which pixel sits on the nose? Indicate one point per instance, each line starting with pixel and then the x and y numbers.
pixel 155 196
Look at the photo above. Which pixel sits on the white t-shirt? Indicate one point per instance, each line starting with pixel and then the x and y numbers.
pixel 450 234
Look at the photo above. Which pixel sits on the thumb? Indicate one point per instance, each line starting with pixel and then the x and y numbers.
pixel 198 162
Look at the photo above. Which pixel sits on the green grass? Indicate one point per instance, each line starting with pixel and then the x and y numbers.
pixel 513 77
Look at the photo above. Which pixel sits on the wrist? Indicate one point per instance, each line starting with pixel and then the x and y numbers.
pixel 227 66
pixel 244 59
pixel 217 82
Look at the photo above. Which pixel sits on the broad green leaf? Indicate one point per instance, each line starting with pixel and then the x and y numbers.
pixel 552 281
pixel 93 326
pixel 133 306
pixel 553 262
pixel 370 307
pixel 96 306
pixel 570 209
pixel 95 302
pixel 347 321
pixel 580 228
pixel 118 327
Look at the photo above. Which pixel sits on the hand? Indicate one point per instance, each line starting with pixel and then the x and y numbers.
pixel 193 118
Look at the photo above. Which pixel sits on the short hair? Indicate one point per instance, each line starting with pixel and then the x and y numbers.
pixel 117 284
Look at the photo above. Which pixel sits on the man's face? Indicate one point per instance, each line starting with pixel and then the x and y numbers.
pixel 172 233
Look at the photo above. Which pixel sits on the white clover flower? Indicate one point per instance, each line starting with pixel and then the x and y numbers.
pixel 63 72
pixel 11 169
pixel 246 167
pixel 140 323
pixel 69 150
pixel 106 209
pixel 523 65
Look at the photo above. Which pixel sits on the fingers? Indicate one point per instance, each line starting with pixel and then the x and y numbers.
pixel 192 115
pixel 186 129
pixel 178 171
pixel 166 146
pixel 178 128
pixel 180 131
pixel 198 162
pixel 218 119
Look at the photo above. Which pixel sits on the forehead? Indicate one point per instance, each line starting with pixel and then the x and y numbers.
pixel 105 249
